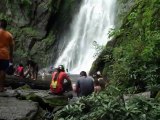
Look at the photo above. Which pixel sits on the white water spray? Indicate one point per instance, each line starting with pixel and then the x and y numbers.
pixel 92 23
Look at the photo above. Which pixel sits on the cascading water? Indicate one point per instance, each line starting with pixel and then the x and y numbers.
pixel 91 24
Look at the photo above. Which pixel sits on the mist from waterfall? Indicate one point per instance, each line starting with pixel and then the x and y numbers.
pixel 91 24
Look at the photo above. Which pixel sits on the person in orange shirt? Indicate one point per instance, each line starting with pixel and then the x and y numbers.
pixel 6 51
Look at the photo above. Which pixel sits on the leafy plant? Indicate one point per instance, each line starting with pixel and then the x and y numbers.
pixel 110 105
pixel 133 62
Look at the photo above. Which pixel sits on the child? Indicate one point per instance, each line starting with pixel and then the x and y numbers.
pixel 20 71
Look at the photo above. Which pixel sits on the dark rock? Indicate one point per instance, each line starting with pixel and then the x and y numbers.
pixel 15 82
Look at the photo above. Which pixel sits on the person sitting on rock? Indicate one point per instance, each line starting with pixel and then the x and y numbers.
pixel 84 85
pixel 97 87
pixel 101 81
pixel 58 85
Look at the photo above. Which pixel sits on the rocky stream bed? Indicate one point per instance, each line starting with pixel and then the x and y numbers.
pixel 23 101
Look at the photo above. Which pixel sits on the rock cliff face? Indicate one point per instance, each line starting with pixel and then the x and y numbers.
pixel 37 26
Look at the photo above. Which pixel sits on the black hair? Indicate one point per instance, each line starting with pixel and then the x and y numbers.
pixel 60 68
pixel 21 65
pixel 3 23
pixel 83 73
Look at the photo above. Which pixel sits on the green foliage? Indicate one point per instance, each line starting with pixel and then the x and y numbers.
pixel 48 5
pixel 26 2
pixel 30 32
pixel 4 16
pixel 110 105
pixel 49 40
pixel 24 87
pixel 98 48
pixel 20 52
pixel 133 63
pixel 55 101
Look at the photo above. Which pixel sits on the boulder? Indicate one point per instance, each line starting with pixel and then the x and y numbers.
pixel 8 93
pixel 15 82
pixel 13 109
pixel 43 97
pixel 24 103
pixel 144 94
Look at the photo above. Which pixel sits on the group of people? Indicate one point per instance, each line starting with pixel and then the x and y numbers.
pixel 30 72
pixel 6 58
pixel 84 86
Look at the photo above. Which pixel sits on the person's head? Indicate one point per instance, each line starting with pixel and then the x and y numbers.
pixel 21 65
pixel 99 74
pixel 3 23
pixel 83 73
pixel 60 68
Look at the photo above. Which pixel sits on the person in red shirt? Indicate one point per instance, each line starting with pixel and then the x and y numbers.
pixel 58 85
pixel 6 52
pixel 20 71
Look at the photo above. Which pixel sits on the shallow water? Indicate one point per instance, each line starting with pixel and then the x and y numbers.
pixel 73 77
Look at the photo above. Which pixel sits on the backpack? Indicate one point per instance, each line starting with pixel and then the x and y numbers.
pixel 55 86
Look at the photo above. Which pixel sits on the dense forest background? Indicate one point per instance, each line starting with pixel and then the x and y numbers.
pixel 130 62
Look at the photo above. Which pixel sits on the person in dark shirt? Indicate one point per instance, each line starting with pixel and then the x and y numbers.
pixel 84 85
pixel 32 69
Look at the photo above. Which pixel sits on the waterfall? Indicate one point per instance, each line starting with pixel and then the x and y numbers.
pixel 91 24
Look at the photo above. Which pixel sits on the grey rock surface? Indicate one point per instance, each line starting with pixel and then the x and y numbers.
pixel 13 109
pixel 8 93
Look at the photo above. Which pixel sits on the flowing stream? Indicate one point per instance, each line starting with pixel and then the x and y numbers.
pixel 91 25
